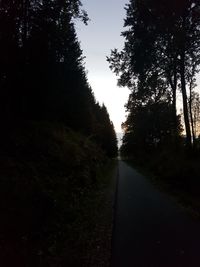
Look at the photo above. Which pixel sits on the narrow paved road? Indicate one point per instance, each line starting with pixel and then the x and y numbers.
pixel 150 229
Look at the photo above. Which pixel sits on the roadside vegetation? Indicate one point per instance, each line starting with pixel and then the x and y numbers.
pixel 159 63
pixel 53 187
pixel 56 141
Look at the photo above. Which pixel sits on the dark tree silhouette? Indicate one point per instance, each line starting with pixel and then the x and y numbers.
pixel 42 74
pixel 55 138
pixel 104 133
pixel 160 39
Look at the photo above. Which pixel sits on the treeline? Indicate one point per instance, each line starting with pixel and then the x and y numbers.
pixel 55 138
pixel 160 58
pixel 42 75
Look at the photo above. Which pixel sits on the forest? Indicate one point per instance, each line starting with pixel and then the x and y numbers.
pixel 160 63
pixel 55 138
pixel 58 146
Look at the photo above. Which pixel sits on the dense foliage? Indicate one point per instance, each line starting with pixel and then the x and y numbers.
pixel 161 54
pixel 42 75
pixel 49 179
pixel 55 138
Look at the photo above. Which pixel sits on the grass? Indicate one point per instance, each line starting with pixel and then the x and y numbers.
pixel 54 204
pixel 177 175
pixel 97 213
pixel 88 241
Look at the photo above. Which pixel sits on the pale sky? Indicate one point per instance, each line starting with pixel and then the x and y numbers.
pixel 97 39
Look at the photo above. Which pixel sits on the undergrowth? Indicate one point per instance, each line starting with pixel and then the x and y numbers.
pixel 176 173
pixel 48 175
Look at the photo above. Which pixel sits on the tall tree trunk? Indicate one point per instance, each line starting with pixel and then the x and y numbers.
pixel 174 89
pixel 185 102
pixel 191 116
pixel 173 83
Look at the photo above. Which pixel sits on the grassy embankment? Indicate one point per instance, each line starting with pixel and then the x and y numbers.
pixel 56 190
pixel 175 173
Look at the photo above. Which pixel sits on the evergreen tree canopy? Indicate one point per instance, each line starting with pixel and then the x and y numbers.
pixel 104 133
pixel 42 74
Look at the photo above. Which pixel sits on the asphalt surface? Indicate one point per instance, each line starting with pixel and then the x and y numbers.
pixel 150 229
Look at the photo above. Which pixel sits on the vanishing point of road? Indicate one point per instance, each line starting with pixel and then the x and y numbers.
pixel 150 229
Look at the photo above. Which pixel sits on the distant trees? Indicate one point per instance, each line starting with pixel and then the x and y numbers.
pixel 104 133
pixel 160 54
pixel 42 75
pixel 195 114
